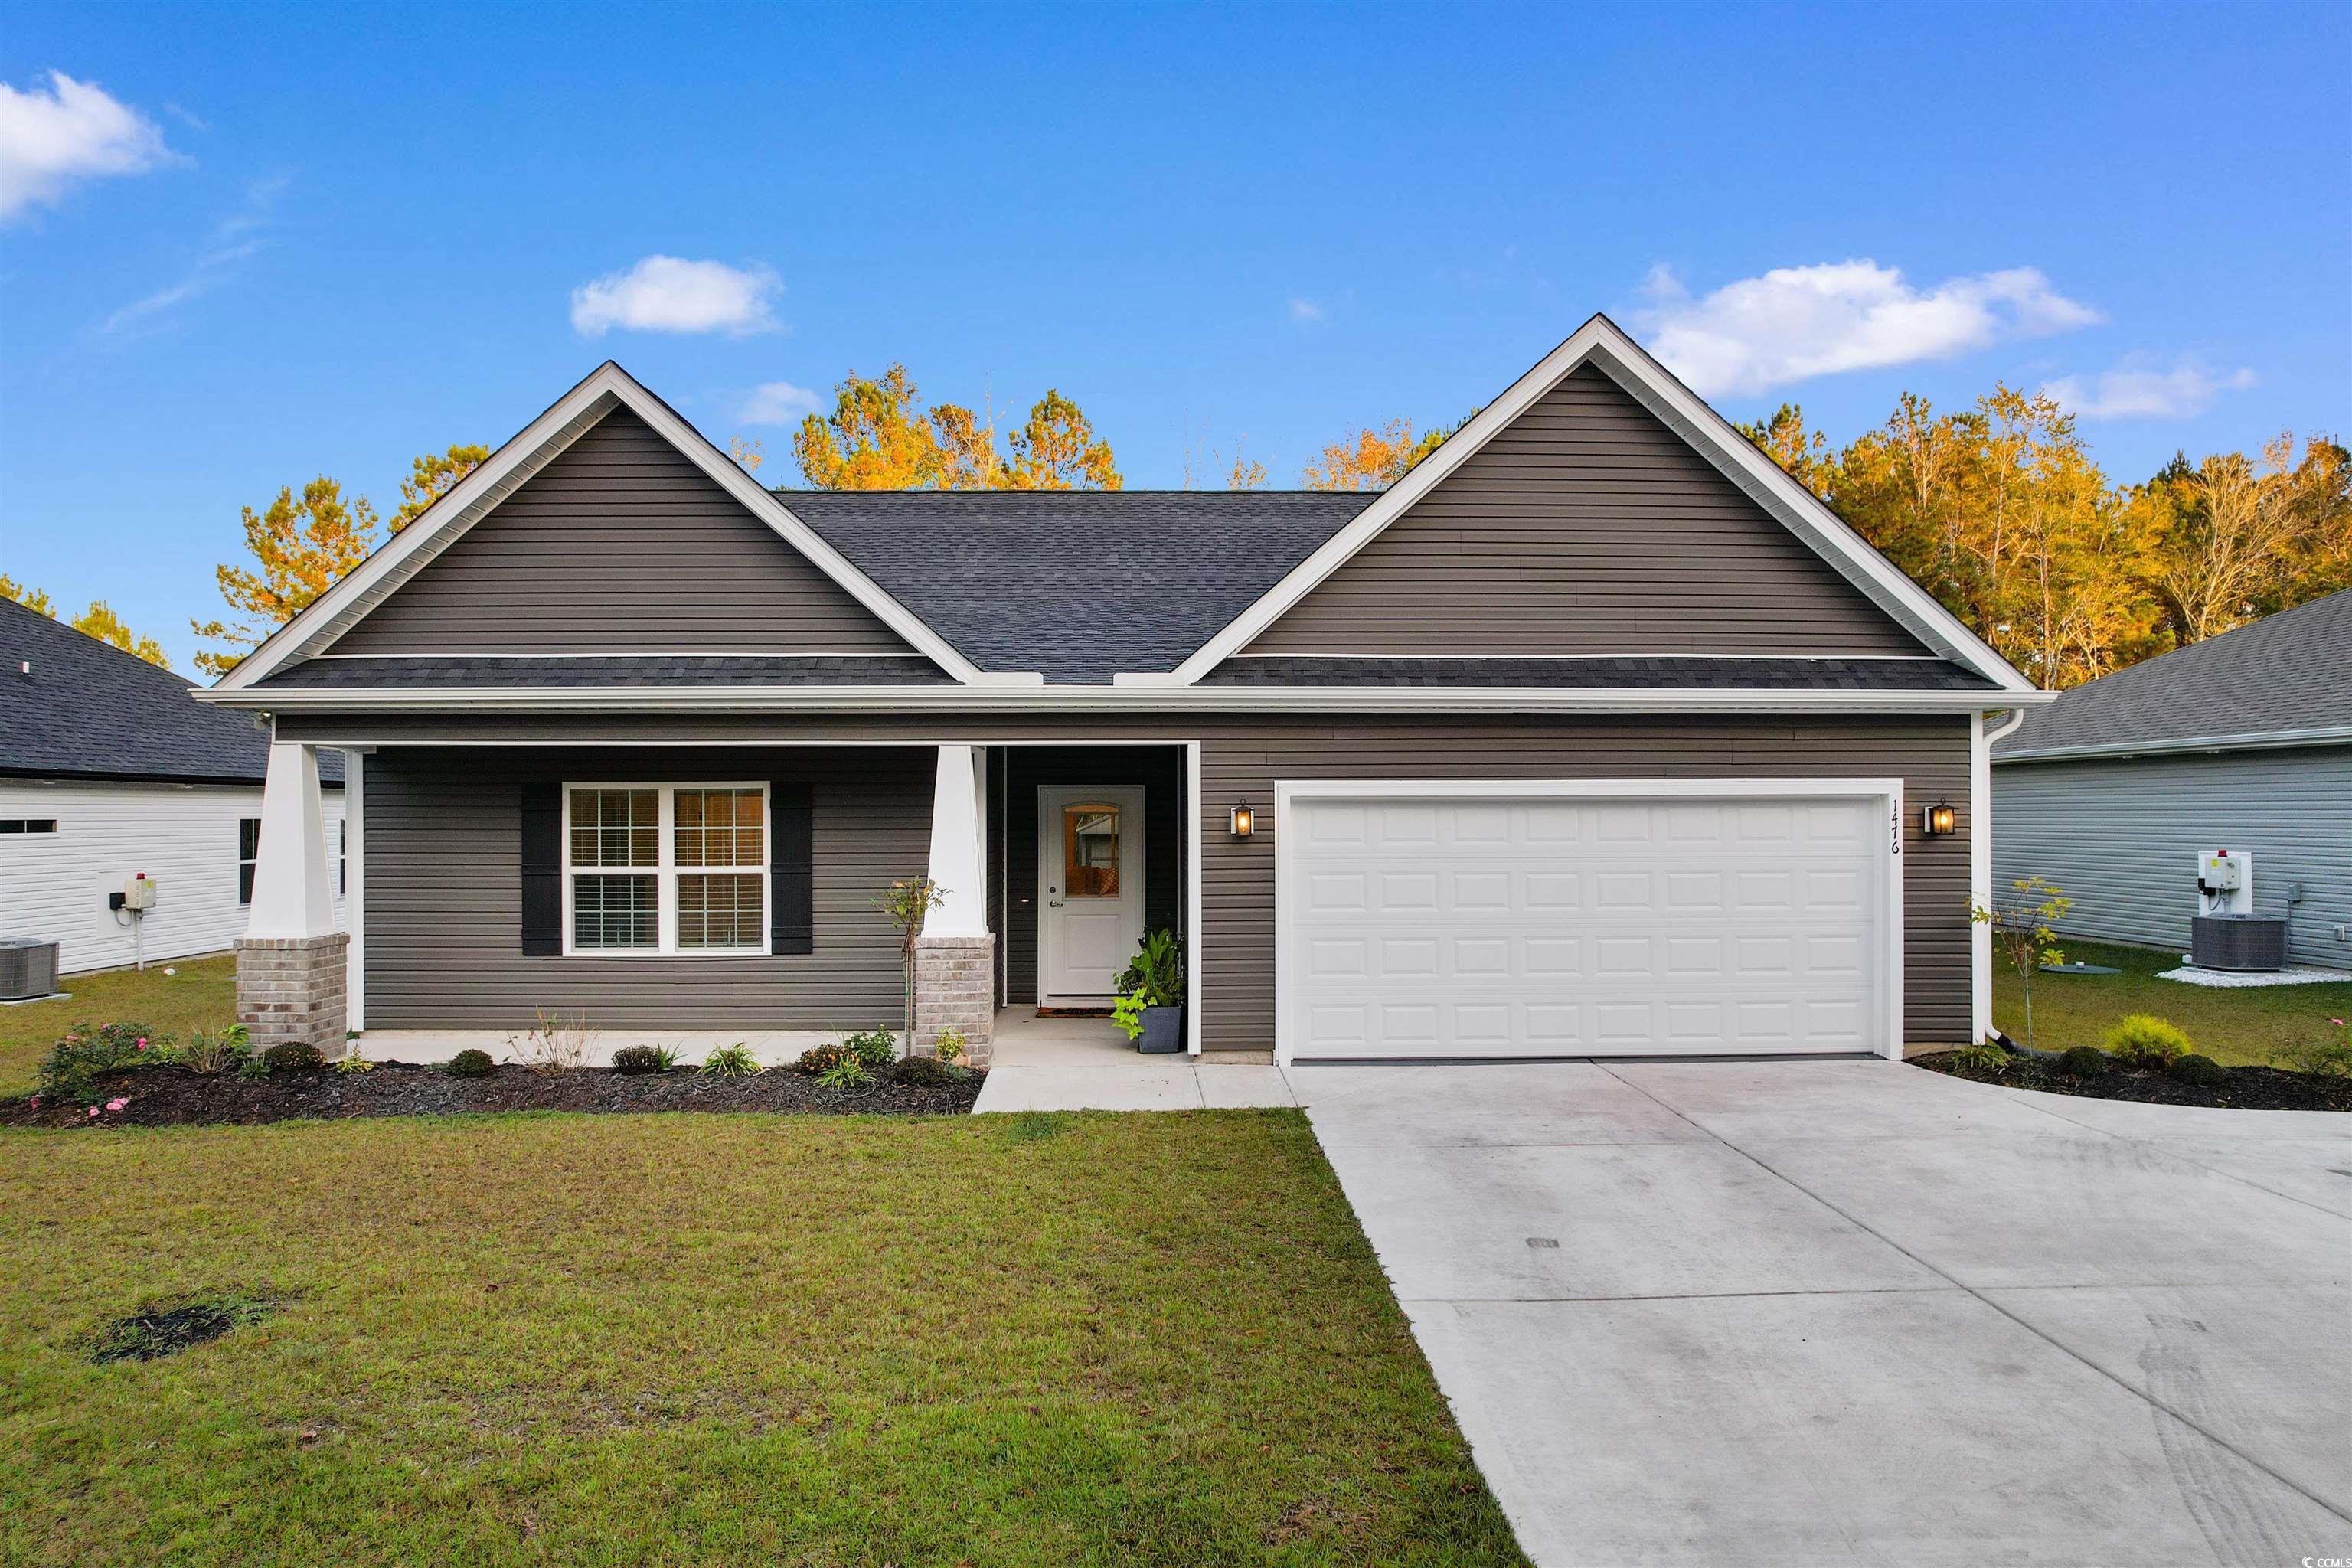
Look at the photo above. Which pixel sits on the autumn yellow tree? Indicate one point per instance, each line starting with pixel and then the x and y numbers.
pixel 32 599
pixel 1375 459
pixel 879 437
pixel 302 546
pixel 1246 474
pixel 430 477
pixel 99 621
pixel 1055 449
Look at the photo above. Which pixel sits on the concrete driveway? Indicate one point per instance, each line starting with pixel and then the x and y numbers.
pixel 1851 1312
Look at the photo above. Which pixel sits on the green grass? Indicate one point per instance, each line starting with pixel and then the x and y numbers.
pixel 1089 1339
pixel 202 996
pixel 2240 1026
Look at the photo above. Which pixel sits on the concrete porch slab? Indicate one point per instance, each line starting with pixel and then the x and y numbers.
pixel 1088 1064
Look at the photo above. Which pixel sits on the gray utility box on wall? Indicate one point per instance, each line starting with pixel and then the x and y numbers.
pixel 28 967
pixel 2238 942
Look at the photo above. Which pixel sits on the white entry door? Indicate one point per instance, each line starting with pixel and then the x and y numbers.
pixel 1494 926
pixel 1089 887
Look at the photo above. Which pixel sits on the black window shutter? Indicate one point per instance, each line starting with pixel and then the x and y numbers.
pixel 791 868
pixel 542 870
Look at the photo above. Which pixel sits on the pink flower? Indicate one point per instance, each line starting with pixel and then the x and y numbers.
pixel 2337 1022
pixel 142 1044
pixel 94 1111
pixel 37 1102
pixel 116 1104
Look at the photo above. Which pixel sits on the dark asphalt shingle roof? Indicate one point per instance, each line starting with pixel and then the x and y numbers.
pixel 1742 674
pixel 2286 672
pixel 1077 583
pixel 87 710
pixel 401 670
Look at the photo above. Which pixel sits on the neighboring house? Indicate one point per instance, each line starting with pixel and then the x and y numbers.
pixel 108 767
pixel 2242 741
pixel 1596 734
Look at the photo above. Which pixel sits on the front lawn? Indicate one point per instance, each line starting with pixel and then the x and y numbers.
pixel 201 996
pixel 2239 1026
pixel 558 1339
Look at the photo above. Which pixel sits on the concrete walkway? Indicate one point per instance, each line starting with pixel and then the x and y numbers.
pixel 1087 1064
pixel 1801 1313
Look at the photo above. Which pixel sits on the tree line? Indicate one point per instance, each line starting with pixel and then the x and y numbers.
pixel 1998 509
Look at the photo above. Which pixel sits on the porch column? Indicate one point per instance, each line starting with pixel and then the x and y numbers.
pixel 955 957
pixel 290 975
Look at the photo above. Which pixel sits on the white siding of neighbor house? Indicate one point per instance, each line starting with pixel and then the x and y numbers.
pixel 53 886
pixel 2121 837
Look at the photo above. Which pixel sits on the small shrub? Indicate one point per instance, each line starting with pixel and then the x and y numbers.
pixel 2084 1061
pixel 2204 1072
pixel 731 1061
pixel 470 1064
pixel 293 1056
pixel 210 1053
pixel 2323 1058
pixel 925 1072
pixel 817 1059
pixel 950 1044
pixel 87 1052
pixel 848 1073
pixel 252 1067
pixel 633 1060
pixel 2145 1041
pixel 553 1043
pixel 352 1061
pixel 1983 1060
pixel 875 1048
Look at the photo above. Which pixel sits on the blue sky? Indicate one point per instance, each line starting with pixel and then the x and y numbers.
pixel 281 242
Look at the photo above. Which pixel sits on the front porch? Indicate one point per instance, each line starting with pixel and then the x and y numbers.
pixel 1087 1064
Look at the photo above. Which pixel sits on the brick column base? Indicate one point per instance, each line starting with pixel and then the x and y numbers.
pixel 291 988
pixel 955 987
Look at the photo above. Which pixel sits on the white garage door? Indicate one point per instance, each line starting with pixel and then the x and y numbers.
pixel 1567 927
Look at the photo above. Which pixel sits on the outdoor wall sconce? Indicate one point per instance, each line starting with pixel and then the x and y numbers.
pixel 1938 820
pixel 1244 821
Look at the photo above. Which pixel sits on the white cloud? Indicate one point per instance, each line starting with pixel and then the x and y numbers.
pixel 2136 390
pixel 776 403
pixel 1795 323
pixel 665 294
pixel 1305 310
pixel 73 132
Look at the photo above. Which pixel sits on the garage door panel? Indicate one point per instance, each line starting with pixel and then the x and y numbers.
pixel 1502 927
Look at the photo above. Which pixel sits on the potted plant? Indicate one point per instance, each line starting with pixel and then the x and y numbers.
pixel 1150 1005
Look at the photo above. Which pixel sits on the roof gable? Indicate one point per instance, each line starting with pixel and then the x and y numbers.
pixel 1601 345
pixel 1585 527
pixel 619 545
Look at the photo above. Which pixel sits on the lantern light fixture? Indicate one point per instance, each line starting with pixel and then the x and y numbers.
pixel 1243 821
pixel 1938 820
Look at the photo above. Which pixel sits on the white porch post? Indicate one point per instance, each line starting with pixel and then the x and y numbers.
pixel 1979 879
pixel 960 844
pixel 291 893
pixel 955 957
pixel 290 973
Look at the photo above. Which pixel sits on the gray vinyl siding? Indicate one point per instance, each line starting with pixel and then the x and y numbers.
pixel 2121 836
pixel 620 545
pixel 444 894
pixel 1243 754
pixel 1586 526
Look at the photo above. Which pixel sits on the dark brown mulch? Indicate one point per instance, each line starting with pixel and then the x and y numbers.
pixel 2245 1088
pixel 172 1096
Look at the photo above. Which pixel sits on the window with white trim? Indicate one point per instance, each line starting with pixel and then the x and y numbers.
pixel 665 868
pixel 248 856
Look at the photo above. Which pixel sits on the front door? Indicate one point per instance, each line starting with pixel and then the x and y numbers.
pixel 1090 886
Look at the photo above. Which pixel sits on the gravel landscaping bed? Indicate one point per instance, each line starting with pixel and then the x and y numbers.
pixel 2241 1088
pixel 168 1097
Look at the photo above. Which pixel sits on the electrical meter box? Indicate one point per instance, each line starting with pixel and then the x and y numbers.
pixel 2225 882
pixel 138 891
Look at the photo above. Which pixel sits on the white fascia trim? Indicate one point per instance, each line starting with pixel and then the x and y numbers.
pixel 1414 655
pixel 1288 792
pixel 996 696
pixel 1627 364
pixel 607 387
pixel 631 653
pixel 2250 740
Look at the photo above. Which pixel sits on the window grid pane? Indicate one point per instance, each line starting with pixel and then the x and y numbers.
pixel 615 911
pixel 720 827
pixel 718 911
pixel 615 828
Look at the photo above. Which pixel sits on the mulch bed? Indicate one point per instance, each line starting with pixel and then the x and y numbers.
pixel 173 1097
pixel 2245 1088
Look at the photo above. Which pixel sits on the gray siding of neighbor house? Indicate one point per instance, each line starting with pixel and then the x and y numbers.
pixel 2121 836
pixel 620 545
pixel 1243 754
pixel 1586 526
pixel 444 905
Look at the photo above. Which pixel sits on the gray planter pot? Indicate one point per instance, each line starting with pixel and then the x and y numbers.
pixel 1163 1031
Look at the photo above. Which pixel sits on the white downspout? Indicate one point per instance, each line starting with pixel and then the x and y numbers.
pixel 1980 744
